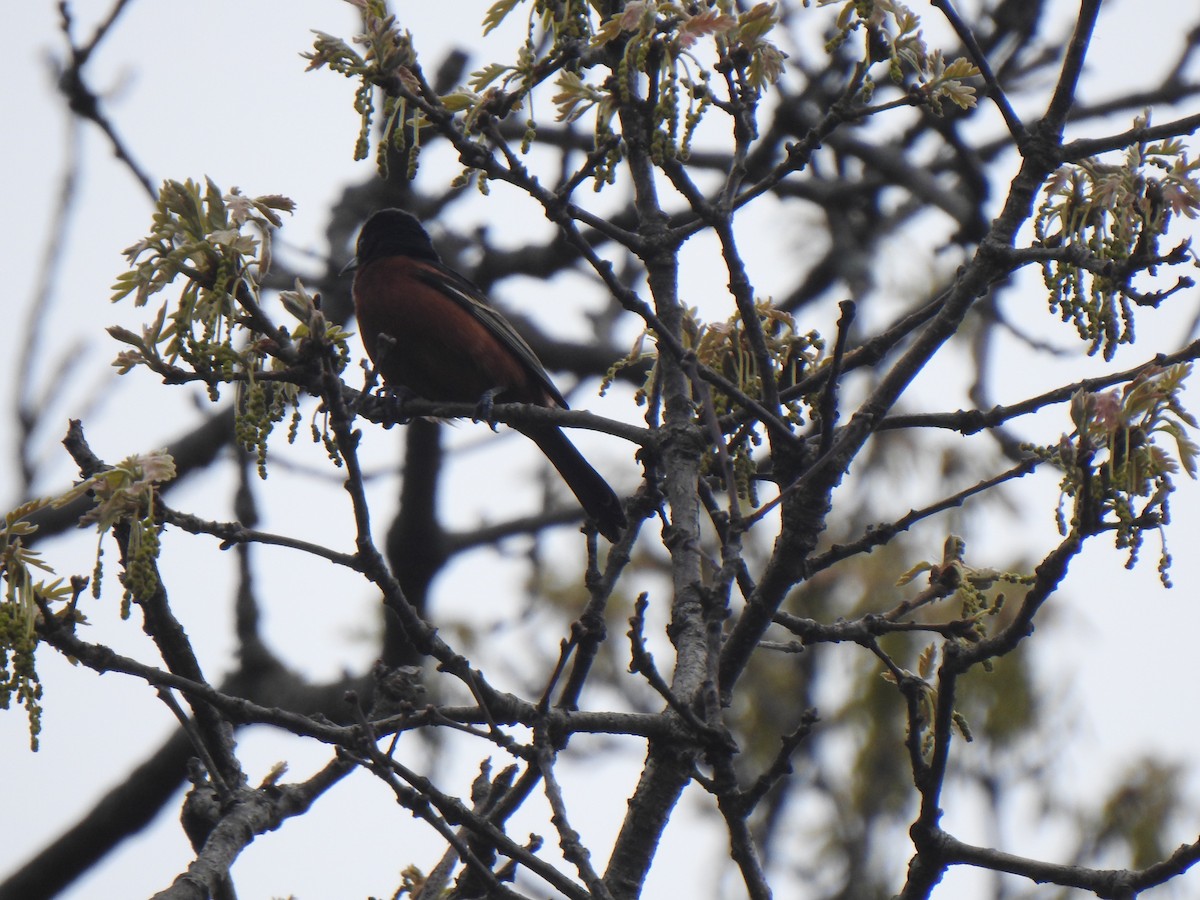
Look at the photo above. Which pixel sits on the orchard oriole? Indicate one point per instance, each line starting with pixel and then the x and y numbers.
pixel 431 331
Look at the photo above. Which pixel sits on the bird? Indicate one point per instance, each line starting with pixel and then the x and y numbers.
pixel 431 332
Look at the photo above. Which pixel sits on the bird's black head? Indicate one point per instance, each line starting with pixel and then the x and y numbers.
pixel 392 232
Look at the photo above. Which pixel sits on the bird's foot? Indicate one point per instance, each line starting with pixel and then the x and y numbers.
pixel 394 401
pixel 483 409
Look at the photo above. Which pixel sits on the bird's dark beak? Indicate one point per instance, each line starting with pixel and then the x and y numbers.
pixel 349 267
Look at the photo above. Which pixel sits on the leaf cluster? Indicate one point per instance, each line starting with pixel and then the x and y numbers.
pixel 1112 216
pixel 1114 472
pixel 891 30
pixel 214 329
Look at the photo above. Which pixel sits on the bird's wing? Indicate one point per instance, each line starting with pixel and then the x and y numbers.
pixel 474 301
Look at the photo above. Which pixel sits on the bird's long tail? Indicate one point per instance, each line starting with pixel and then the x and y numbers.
pixel 592 491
